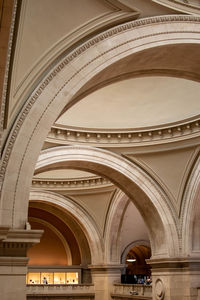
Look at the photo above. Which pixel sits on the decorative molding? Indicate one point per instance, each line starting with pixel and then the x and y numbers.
pixel 189 203
pixel 64 155
pixel 86 222
pixel 99 38
pixel 71 184
pixel 3 233
pixel 186 6
pixel 60 291
pixel 7 67
pixel 17 243
pixel 72 56
pixel 131 137
pixel 159 289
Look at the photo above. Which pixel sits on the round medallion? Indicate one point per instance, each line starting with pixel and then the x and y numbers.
pixel 159 289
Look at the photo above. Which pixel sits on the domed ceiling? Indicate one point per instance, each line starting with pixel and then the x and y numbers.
pixel 135 103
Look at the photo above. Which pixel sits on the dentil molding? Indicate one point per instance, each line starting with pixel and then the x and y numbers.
pixel 177 132
pixel 186 6
pixel 71 184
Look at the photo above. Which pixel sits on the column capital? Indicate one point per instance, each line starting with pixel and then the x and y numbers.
pixel 183 263
pixel 16 242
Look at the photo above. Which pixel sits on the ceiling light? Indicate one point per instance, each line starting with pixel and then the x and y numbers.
pixel 131 259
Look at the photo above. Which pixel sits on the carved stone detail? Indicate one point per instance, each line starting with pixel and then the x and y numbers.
pixel 159 289
pixel 5 83
pixel 16 243
pixel 178 4
pixel 78 183
pixel 66 135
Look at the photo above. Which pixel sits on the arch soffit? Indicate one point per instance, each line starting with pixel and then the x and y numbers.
pixel 65 80
pixel 58 234
pixel 113 225
pixel 131 245
pixel 137 184
pixel 190 208
pixel 81 217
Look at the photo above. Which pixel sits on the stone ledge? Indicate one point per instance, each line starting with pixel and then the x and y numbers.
pixel 62 296
pixel 175 263
pixel 126 297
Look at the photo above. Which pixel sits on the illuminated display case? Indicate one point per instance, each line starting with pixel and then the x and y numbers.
pixel 53 276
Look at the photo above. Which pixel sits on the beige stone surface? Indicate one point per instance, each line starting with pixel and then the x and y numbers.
pixel 97 54
pixel 170 168
pixel 135 103
pixel 97 204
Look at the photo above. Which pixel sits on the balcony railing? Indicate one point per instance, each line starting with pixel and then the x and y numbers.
pixel 139 291
pixel 60 290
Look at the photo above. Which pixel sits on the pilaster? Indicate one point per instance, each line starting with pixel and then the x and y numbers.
pixel 175 279
pixel 103 277
pixel 13 261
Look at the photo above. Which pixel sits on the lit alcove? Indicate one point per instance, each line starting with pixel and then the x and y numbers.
pixel 137 270
pixel 52 261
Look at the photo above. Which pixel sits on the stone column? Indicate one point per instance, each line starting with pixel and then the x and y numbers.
pixel 175 279
pixel 13 261
pixel 103 277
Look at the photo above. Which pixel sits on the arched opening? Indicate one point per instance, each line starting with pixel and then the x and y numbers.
pixel 57 259
pixel 119 171
pixel 137 270
pixel 51 250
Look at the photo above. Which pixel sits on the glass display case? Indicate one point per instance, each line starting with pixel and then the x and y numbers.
pixel 45 277
pixel 33 278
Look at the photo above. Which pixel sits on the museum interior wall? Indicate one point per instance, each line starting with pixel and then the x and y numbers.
pixel 99 136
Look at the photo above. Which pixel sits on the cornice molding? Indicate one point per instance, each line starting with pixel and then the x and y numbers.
pixel 162 134
pixel 71 184
pixel 186 6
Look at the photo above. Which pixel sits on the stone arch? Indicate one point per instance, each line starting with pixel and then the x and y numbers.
pixel 145 193
pixel 113 222
pixel 58 234
pixel 57 89
pixel 190 213
pixel 130 246
pixel 81 217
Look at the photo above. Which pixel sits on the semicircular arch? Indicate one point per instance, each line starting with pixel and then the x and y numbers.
pixel 87 228
pixel 132 245
pixel 144 192
pixel 58 234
